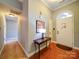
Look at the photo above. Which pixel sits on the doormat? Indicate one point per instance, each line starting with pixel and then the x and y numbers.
pixel 64 47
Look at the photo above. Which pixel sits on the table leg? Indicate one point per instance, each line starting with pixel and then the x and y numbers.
pixel 50 42
pixel 39 52
pixel 35 47
pixel 46 44
pixel 35 50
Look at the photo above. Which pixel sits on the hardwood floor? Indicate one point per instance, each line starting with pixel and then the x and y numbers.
pixel 12 51
pixel 54 52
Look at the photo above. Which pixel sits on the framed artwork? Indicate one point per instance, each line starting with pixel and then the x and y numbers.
pixel 39 25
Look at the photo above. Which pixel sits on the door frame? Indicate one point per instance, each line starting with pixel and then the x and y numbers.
pixel 6 27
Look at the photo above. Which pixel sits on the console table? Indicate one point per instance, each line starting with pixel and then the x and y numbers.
pixel 41 41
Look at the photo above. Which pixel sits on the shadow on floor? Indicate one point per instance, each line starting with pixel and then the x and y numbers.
pixel 64 47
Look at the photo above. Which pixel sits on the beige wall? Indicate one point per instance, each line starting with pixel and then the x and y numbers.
pixel 1 32
pixel 31 12
pixel 74 8
pixel 3 12
pixel 35 7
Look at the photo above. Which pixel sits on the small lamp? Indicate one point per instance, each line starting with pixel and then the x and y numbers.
pixel 42 31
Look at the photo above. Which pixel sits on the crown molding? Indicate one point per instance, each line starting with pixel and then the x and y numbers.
pixel 64 5
pixel 46 4
pixel 59 6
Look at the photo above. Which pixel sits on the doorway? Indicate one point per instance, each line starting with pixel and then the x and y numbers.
pixel 11 29
pixel 65 29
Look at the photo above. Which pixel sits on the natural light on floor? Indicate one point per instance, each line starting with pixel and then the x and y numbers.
pixel 9 41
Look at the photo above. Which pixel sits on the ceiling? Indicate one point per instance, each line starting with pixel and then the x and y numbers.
pixel 55 4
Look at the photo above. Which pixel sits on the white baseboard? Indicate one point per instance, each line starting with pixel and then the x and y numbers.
pixel 53 42
pixel 10 41
pixel 77 48
pixel 1 49
pixel 31 54
pixel 23 50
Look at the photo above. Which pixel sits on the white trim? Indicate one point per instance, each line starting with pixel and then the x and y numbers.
pixel 11 39
pixel 46 4
pixel 23 49
pixel 53 41
pixel 76 48
pixel 1 49
pixel 64 5
pixel 73 28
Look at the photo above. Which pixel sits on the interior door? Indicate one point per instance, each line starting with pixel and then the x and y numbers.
pixel 64 31
pixel 11 28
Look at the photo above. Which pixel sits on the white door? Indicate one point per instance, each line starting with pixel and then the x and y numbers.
pixel 11 28
pixel 64 29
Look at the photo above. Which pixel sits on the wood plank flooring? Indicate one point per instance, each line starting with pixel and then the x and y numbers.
pixel 54 52
pixel 12 51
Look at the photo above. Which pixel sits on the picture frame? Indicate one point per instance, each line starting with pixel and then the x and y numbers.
pixel 39 25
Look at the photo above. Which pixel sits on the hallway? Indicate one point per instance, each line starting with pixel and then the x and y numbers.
pixel 12 51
